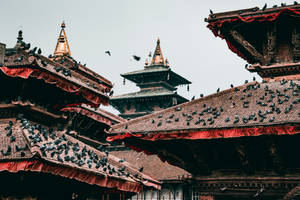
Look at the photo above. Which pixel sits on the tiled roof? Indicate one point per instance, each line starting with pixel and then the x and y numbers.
pixel 152 165
pixel 155 69
pixel 249 13
pixel 21 139
pixel 145 93
pixel 250 105
pixel 29 61
pixel 97 114
pixel 148 70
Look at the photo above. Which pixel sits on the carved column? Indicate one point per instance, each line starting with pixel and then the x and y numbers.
pixel 2 53
pixel 295 40
pixel 241 151
pixel 271 43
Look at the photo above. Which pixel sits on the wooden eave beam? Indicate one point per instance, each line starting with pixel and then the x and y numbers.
pixel 247 46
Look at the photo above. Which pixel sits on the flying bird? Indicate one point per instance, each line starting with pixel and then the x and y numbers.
pixel 108 53
pixel 137 58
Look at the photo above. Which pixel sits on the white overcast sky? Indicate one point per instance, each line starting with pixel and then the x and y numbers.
pixel 127 27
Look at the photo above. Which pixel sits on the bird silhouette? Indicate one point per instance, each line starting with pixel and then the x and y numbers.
pixel 141 169
pixel 108 53
pixel 137 58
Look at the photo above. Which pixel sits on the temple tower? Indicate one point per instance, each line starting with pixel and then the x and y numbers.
pixel 157 83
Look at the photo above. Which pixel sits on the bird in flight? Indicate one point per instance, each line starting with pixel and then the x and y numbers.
pixel 137 58
pixel 108 52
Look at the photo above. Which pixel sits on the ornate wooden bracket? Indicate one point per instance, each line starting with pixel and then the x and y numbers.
pixel 250 48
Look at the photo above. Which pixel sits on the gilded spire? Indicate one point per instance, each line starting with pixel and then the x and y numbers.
pixel 158 58
pixel 62 46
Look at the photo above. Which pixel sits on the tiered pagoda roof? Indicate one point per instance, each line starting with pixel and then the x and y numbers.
pixel 51 100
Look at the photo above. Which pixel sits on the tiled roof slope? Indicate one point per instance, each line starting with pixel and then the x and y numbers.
pixel 250 105
pixel 22 140
pixel 152 165
pixel 145 93
pixel 26 64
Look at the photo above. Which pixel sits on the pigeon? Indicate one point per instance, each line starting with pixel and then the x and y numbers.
pixel 193 98
pixel 39 51
pixel 218 90
pixel 231 85
pixel 137 58
pixel 264 8
pixel 141 169
pixel 201 95
pixel 34 49
pixel 27 46
pixel 211 12
pixel 108 53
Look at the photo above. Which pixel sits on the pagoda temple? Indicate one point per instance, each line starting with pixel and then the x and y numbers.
pixel 240 143
pixel 157 83
pixel 48 109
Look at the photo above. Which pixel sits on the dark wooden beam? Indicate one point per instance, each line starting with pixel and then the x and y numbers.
pixel 247 46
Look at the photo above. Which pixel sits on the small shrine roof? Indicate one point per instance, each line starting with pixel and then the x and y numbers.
pixel 245 107
pixel 30 147
pixel 146 93
pixel 162 170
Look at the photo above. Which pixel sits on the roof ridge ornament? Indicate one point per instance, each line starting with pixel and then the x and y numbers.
pixel 157 58
pixel 62 47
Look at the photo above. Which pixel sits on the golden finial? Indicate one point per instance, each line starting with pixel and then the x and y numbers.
pixel 63 25
pixel 62 47
pixel 157 58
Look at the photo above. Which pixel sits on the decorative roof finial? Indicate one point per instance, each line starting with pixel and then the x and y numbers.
pixel 20 35
pixel 167 63
pixel 63 25
pixel 62 47
pixel 158 58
